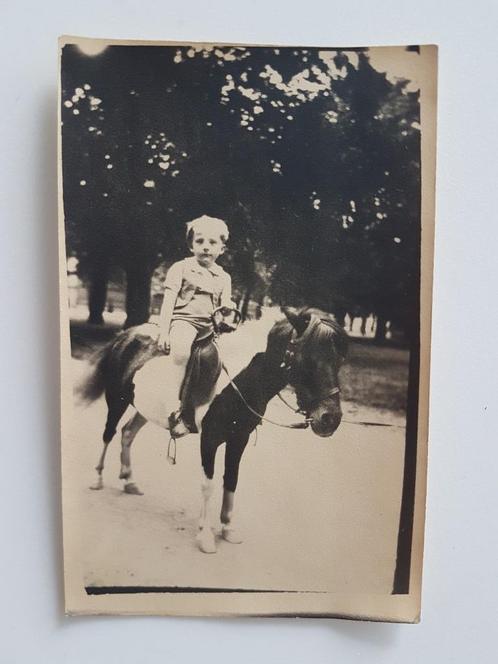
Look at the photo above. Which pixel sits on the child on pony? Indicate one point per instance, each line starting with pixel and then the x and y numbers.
pixel 194 288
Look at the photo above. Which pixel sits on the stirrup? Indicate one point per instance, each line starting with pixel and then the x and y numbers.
pixel 177 426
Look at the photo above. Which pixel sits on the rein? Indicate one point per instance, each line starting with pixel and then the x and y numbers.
pixel 296 425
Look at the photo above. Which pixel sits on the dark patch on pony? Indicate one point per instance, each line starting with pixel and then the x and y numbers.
pixel 114 366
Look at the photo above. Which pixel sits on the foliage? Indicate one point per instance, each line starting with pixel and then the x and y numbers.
pixel 312 156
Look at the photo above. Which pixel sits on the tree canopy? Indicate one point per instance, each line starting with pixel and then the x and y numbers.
pixel 312 157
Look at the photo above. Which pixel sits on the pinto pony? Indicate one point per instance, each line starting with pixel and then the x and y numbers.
pixel 305 350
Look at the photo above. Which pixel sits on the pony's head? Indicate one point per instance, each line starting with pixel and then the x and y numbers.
pixel 311 346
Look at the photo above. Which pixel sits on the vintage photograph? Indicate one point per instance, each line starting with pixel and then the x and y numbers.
pixel 245 273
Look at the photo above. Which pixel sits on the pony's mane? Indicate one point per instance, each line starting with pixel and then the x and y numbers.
pixel 330 331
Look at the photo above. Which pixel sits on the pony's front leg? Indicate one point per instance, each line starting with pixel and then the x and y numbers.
pixel 129 431
pixel 229 530
pixel 234 449
pixel 205 536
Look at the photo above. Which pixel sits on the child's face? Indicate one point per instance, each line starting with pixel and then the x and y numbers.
pixel 207 247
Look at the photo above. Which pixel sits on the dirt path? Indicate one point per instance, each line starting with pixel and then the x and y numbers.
pixel 316 513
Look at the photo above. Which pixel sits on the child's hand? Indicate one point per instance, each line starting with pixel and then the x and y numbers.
pixel 163 343
pixel 227 309
pixel 224 328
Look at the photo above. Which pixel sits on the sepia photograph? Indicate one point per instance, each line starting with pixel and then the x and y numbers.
pixel 246 240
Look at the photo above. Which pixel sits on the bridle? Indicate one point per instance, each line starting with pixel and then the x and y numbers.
pixel 289 361
pixel 301 411
pixel 288 364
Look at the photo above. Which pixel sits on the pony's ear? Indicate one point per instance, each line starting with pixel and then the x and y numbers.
pixel 298 320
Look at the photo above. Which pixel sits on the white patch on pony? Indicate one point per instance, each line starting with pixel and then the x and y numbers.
pixel 201 411
pixel 207 486
pixel 155 396
pixel 205 537
pixel 231 534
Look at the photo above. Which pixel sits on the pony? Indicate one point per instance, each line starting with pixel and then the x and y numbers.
pixel 305 350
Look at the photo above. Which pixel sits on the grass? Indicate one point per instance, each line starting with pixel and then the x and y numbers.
pixel 375 376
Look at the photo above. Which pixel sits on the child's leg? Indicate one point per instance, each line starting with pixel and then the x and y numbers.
pixel 182 336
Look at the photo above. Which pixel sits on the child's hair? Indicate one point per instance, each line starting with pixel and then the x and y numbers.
pixel 205 222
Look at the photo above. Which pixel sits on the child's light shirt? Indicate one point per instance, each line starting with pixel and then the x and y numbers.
pixel 199 290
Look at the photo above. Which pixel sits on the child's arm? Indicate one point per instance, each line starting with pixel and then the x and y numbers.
pixel 226 293
pixel 226 301
pixel 165 319
pixel 172 287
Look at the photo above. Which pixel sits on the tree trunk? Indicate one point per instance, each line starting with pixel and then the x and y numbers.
pixel 381 328
pixel 138 278
pixel 245 303
pixel 340 316
pixel 97 293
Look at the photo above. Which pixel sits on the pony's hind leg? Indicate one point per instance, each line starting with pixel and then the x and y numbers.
pixel 116 410
pixel 129 431
pixel 99 482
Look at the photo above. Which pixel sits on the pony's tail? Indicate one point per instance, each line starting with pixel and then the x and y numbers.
pixel 92 386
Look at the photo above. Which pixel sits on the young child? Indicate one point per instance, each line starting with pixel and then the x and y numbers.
pixel 194 288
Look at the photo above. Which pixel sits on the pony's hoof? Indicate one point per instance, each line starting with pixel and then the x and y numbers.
pixel 206 541
pixel 97 485
pixel 133 489
pixel 231 535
